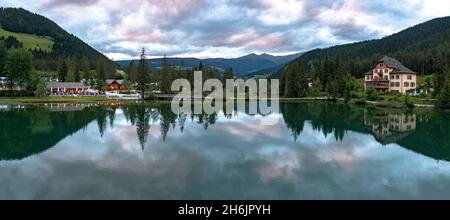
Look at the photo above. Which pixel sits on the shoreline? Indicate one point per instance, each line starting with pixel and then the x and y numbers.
pixel 94 99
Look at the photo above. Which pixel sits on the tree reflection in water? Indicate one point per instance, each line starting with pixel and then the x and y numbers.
pixel 31 130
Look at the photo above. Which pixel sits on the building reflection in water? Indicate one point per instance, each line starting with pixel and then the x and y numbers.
pixel 389 127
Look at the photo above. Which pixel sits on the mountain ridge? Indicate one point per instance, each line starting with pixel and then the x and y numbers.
pixel 242 66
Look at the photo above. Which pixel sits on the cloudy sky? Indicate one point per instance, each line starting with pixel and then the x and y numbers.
pixel 229 28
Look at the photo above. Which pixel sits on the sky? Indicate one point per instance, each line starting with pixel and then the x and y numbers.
pixel 229 28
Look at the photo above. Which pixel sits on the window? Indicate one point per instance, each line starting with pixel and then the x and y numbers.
pixel 397 84
pixel 386 77
pixel 409 77
pixel 413 84
pixel 397 76
pixel 392 76
pixel 386 70
pixel 406 84
pixel 392 84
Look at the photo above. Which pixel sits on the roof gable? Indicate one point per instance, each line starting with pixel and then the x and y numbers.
pixel 395 64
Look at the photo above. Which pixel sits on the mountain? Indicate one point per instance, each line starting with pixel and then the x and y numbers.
pixel 42 36
pixel 424 48
pixel 241 66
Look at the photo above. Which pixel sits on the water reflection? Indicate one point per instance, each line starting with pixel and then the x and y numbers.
pixel 316 150
pixel 389 127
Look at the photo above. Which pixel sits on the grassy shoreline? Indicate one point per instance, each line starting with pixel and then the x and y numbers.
pixel 92 99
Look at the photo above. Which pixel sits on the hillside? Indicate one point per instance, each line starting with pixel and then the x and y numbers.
pixel 423 48
pixel 43 37
pixel 30 41
pixel 241 66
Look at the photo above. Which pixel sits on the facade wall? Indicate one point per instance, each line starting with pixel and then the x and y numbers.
pixel 400 82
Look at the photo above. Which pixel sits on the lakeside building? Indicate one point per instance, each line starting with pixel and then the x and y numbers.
pixel 389 74
pixel 67 88
pixel 114 85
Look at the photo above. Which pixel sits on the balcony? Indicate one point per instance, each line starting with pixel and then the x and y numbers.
pixel 379 84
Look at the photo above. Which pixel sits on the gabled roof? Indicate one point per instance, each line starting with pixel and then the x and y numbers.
pixel 67 85
pixel 395 64
pixel 110 81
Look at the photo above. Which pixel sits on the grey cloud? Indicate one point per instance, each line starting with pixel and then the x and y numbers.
pixel 197 24
pixel 59 3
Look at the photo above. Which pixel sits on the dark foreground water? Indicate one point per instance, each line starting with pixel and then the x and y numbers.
pixel 315 151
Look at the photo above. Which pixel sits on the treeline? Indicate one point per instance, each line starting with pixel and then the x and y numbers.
pixel 16 66
pixel 331 78
pixel 11 42
pixel 142 78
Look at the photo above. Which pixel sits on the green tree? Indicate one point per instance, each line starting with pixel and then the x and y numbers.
pixel 228 74
pixel 132 72
pixel 63 69
pixel 101 69
pixel 41 89
pixel 70 77
pixel 3 56
pixel 408 102
pixel 350 87
pixel 372 94
pixel 19 65
pixel 166 76
pixel 85 67
pixel 76 70
pixel 444 97
pixel 295 80
pixel 143 78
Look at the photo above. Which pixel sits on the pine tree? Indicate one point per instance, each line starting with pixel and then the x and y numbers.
pixel 85 67
pixel 228 74
pixel 2 59
pixel 295 80
pixel 143 78
pixel 165 76
pixel 76 69
pixel 101 70
pixel 444 97
pixel 63 69
pixel 132 72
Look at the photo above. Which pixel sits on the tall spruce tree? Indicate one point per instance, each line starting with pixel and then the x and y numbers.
pixel 143 78
pixel 166 76
pixel 2 59
pixel 132 72
pixel 63 69
pixel 444 97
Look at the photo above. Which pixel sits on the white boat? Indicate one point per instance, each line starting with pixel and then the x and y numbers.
pixel 118 95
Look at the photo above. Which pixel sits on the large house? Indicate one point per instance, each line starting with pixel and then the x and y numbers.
pixel 113 85
pixel 388 74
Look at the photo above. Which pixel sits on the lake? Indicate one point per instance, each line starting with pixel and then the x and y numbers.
pixel 315 151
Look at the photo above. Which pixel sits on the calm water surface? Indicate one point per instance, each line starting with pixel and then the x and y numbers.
pixel 315 151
